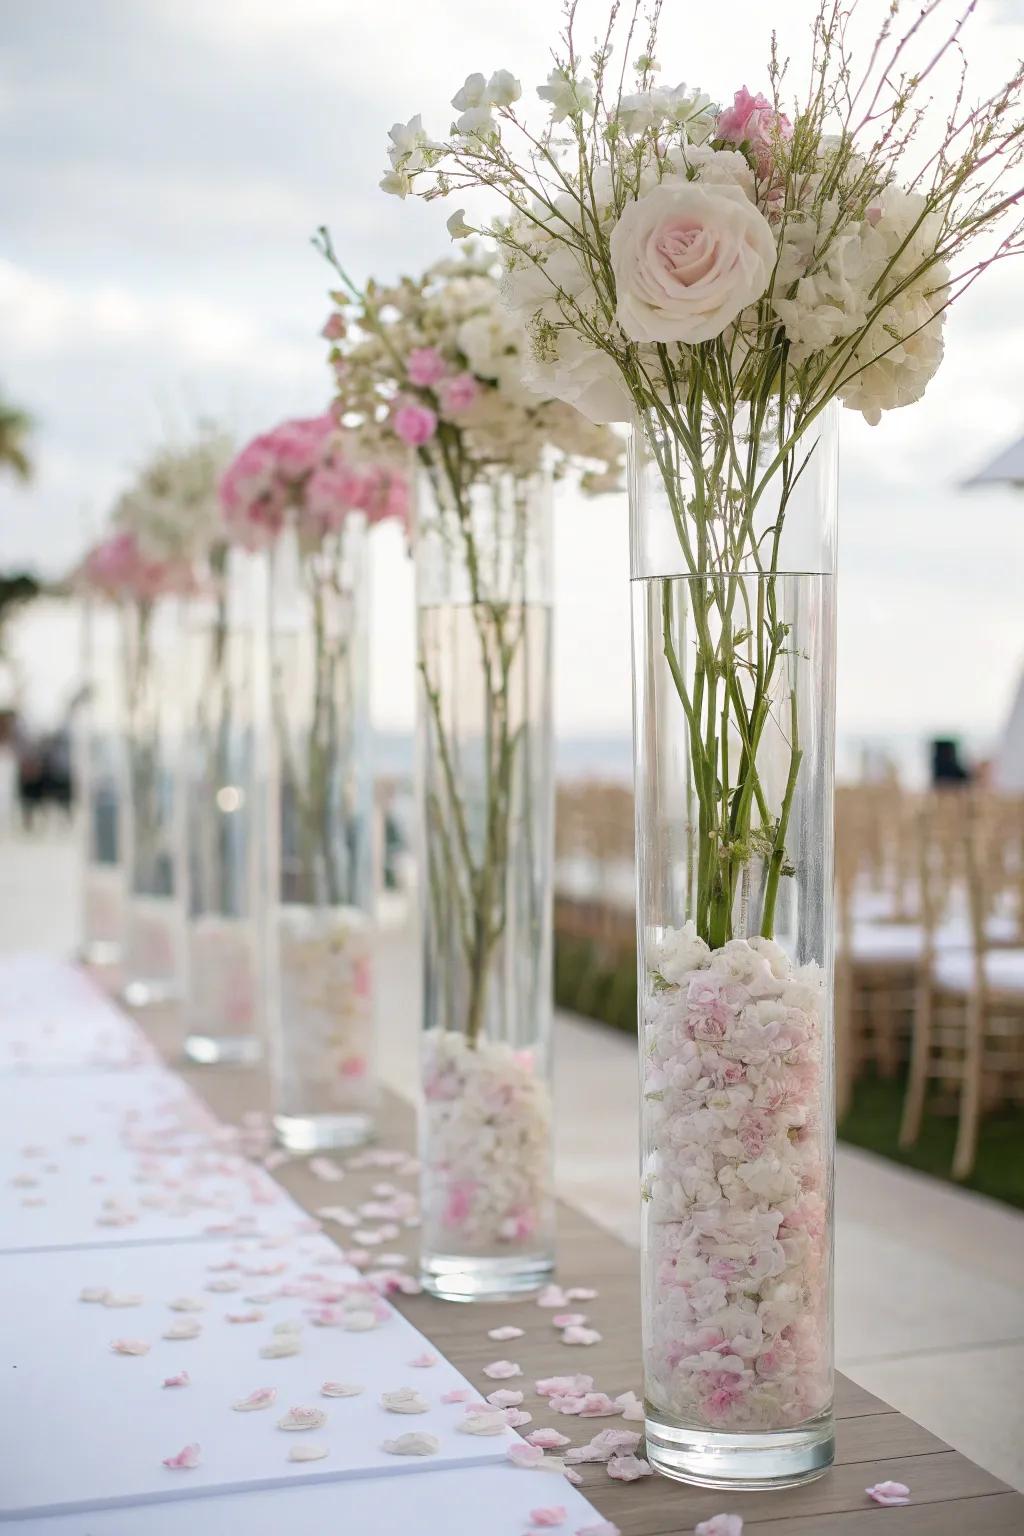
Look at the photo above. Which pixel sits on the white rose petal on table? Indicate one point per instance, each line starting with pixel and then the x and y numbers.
pixel 125 1158
pixel 54 1019
pixel 496 1500
pixel 90 1426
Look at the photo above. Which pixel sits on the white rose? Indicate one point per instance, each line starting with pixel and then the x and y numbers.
pixel 687 259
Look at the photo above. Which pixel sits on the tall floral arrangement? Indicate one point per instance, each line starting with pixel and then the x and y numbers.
pixel 723 275
pixel 433 365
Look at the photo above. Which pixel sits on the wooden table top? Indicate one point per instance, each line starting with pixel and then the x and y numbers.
pixel 950 1495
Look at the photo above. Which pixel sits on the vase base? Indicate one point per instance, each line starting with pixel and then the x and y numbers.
pixel 322 1133
pixel 750 1461
pixel 223 1050
pixel 153 993
pixel 453 1277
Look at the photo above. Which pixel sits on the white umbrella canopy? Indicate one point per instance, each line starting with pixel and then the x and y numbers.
pixel 1007 468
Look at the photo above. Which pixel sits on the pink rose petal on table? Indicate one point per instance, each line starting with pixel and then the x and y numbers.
pixel 889 1494
pixel 244 1317
pixel 457 1395
pixel 185 1460
pixel 501 1370
pixel 580 1293
pixel 608 1443
pixel 578 1335
pixel 261 1398
pixel 630 1406
pixel 549 1515
pixel 547 1439
pixel 560 1386
pixel 129 1347
pixel 522 1455
pixel 182 1379
pixel 424 1361
pixel 568 1402
pixel 552 1296
pixel 568 1319
pixel 720 1525
pixel 598 1405
pixel 515 1418
pixel 322 1168
pixel 628 1469
pixel 505 1397
pixel 572 1476
pixel 503 1335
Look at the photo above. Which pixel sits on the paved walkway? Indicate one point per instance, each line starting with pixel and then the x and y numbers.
pixel 930 1280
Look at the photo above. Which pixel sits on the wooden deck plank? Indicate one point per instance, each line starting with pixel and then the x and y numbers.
pixel 874 1442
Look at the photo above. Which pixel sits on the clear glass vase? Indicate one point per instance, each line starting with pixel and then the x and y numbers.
pixel 483 577
pixel 224 627
pixel 153 957
pixel 322 1023
pixel 99 759
pixel 732 561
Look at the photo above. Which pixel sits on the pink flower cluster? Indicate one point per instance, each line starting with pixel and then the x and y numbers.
pixel 753 120
pixel 119 568
pixel 452 393
pixel 735 1186
pixel 299 468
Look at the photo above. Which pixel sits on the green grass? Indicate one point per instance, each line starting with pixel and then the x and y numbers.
pixel 873 1123
pixel 601 987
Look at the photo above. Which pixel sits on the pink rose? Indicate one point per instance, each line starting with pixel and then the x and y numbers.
pixel 414 424
pixel 301 445
pixel 330 493
pixel 334 328
pixel 425 367
pixel 458 394
pixel 754 121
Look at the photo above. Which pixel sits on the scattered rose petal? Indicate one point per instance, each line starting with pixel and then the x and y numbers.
pixel 560 1386
pixel 93 1293
pixel 501 1370
pixel 244 1317
pixel 515 1418
pixel 360 1322
pixel 548 1439
pixel 111 1299
pixel 222 1287
pixel 340 1389
pixel 182 1379
pixel 580 1293
pixel 578 1335
pixel 598 1405
pixel 303 1418
pixel 184 1328
pixel 889 1494
pixel 412 1445
pixel 720 1525
pixel 630 1406
pixel 608 1443
pixel 424 1361
pixel 186 1304
pixel 281 1348
pixel 627 1469
pixel 130 1347
pixel 505 1397
pixel 185 1460
pixel 569 1319
pixel 503 1335
pixel 522 1455
pixel 491 1422
pixel 552 1296
pixel 307 1450
pixel 549 1515
pixel 457 1395
pixel 404 1400
pixel 261 1398
pixel 322 1168
pixel 291 1325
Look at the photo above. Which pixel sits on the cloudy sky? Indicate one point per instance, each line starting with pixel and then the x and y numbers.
pixel 164 163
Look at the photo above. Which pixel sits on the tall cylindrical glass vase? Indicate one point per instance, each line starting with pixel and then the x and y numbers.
pixel 320 835
pixel 483 576
pixel 153 957
pixel 99 762
pixel 222 788
pixel 732 554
